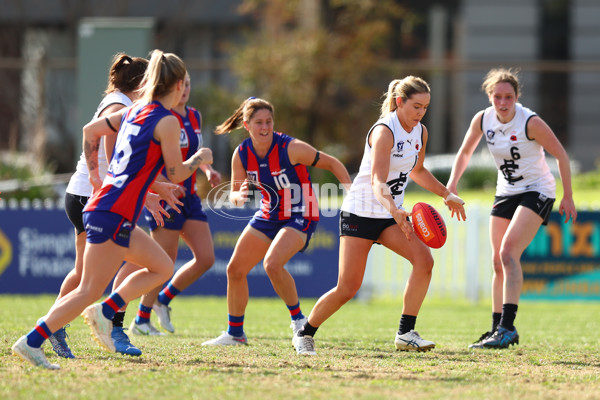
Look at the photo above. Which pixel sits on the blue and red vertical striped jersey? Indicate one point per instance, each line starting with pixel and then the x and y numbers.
pixel 286 189
pixel 137 160
pixel 190 140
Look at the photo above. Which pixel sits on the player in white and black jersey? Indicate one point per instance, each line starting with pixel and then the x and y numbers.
pixel 525 191
pixel 373 212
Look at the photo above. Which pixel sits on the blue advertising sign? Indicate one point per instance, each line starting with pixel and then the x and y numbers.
pixel 37 250
pixel 563 260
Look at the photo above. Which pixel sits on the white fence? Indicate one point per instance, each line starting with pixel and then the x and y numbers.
pixel 462 267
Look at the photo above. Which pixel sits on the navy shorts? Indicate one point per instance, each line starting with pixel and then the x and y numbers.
pixel 74 208
pixel 191 209
pixel 505 206
pixel 101 226
pixel 363 227
pixel 272 228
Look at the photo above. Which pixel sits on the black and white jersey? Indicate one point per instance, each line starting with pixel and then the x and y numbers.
pixel 361 199
pixel 521 161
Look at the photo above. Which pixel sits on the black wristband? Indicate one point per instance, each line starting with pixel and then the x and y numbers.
pixel 110 125
pixel 316 159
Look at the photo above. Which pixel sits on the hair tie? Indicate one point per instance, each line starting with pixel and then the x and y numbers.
pixel 251 98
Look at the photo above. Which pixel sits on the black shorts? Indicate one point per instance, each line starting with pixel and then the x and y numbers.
pixel 74 208
pixel 505 206
pixel 363 227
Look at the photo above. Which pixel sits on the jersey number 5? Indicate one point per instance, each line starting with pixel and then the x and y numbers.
pixel 122 152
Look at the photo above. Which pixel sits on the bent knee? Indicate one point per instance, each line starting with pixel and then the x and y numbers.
pixel 424 263
pixel 272 267
pixel 205 263
pixel 235 272
pixel 346 293
pixel 508 257
pixel 88 294
pixel 201 265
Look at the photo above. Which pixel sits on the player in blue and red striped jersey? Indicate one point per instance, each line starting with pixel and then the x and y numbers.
pixel 276 164
pixel 191 225
pixel 148 140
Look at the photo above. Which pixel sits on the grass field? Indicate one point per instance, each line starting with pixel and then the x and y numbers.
pixel 558 358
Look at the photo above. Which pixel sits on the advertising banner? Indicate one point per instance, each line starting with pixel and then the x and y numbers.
pixel 37 250
pixel 563 261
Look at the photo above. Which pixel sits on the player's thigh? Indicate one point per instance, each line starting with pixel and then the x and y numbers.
pixel 146 252
pixel 101 261
pixel 414 250
pixel 249 250
pixel 522 229
pixel 196 234
pixel 168 239
pixel 498 228
pixel 286 244
pixel 354 252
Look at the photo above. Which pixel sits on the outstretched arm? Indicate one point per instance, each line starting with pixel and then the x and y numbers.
pixel 302 153
pixel 424 178
pixel 467 148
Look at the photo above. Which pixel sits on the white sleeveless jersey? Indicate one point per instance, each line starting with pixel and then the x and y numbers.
pixel 79 184
pixel 361 200
pixel 520 161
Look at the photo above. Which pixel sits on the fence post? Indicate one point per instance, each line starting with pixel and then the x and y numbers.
pixel 472 248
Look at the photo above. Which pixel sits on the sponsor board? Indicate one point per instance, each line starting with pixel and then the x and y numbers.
pixel 37 250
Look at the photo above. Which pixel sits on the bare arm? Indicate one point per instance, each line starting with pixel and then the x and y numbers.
pixel 239 183
pixel 213 176
pixel 467 148
pixel 538 130
pixel 110 140
pixel 302 153
pixel 382 141
pixel 92 133
pixel 167 133
pixel 424 178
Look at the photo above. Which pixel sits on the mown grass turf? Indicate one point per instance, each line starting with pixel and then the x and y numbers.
pixel 558 357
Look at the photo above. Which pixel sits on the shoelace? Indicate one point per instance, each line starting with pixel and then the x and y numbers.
pixel 65 330
pixel 307 344
pixel 484 336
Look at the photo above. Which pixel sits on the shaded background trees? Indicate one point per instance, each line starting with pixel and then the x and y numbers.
pixel 324 65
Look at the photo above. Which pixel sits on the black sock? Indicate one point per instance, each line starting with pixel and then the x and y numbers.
pixel 118 319
pixel 308 330
pixel 407 323
pixel 496 320
pixel 509 313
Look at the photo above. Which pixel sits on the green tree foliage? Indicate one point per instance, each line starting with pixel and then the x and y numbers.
pixel 323 64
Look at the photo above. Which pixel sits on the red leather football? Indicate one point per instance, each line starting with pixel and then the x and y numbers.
pixel 429 225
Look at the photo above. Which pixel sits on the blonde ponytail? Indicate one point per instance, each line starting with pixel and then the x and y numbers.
pixel 163 72
pixel 404 89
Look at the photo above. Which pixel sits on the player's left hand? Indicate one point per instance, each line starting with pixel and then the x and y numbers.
pixel 456 206
pixel 567 209
pixel 401 218
pixel 155 208
pixel 214 177
pixel 170 192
